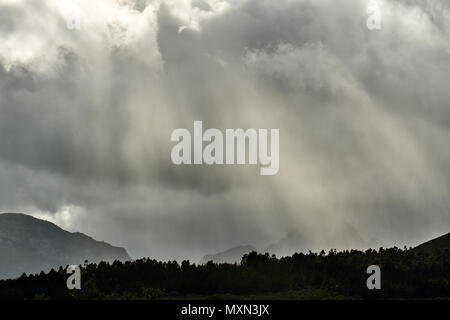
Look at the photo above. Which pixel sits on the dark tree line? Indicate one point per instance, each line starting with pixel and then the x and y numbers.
pixel 404 274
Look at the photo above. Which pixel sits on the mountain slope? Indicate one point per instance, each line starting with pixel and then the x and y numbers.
pixel 440 243
pixel 30 245
pixel 233 255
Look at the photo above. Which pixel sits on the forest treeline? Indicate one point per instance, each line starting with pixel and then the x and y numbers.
pixel 405 273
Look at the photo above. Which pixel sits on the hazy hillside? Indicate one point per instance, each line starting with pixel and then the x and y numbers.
pixel 343 237
pixel 30 245
pixel 230 256
pixel 440 243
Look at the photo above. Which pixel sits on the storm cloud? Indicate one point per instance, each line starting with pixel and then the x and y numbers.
pixel 364 117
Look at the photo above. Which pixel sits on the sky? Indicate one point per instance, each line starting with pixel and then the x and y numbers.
pixel 86 116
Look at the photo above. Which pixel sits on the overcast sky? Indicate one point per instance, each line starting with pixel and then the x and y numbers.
pixel 364 116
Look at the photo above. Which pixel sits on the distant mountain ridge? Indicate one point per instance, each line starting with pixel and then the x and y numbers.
pixel 30 245
pixel 342 237
pixel 295 242
pixel 233 255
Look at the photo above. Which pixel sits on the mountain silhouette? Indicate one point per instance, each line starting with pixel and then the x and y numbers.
pixel 344 236
pixel 30 245
pixel 233 255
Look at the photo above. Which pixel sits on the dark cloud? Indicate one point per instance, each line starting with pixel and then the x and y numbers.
pixel 86 117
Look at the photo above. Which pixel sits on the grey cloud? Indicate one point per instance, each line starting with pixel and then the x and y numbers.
pixel 86 117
